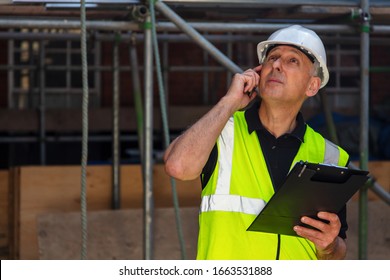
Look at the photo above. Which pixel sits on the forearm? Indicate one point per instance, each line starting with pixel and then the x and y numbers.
pixel 187 155
pixel 336 251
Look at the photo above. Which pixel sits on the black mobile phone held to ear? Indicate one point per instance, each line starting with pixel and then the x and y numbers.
pixel 249 93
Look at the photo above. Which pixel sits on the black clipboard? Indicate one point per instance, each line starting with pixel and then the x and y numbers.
pixel 308 189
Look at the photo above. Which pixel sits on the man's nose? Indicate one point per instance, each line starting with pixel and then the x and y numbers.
pixel 277 64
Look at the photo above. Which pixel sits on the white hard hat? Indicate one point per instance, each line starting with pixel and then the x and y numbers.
pixel 304 39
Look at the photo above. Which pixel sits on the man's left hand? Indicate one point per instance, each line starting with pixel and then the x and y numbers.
pixel 328 244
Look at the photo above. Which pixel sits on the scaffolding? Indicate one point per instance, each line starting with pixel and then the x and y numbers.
pixel 176 29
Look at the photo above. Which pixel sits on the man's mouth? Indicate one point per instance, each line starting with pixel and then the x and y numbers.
pixel 275 80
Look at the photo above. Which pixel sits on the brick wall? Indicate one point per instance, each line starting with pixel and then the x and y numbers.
pixel 184 87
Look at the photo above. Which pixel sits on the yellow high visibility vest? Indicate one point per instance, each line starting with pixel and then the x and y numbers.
pixel 239 188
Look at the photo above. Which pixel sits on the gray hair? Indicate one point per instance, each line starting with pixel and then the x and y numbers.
pixel 317 70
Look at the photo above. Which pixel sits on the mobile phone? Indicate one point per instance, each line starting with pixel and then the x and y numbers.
pixel 249 93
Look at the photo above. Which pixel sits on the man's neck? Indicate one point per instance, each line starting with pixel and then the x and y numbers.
pixel 278 120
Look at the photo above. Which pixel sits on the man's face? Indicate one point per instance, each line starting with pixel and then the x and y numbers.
pixel 286 75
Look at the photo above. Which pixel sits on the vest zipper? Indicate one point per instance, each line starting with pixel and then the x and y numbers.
pixel 278 248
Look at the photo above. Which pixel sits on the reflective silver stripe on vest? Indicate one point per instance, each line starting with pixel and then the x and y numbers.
pixel 232 203
pixel 332 153
pixel 222 200
pixel 225 143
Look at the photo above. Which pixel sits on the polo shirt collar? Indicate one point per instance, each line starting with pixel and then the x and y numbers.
pixel 254 123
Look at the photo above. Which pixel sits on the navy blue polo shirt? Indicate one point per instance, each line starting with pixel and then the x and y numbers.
pixel 279 153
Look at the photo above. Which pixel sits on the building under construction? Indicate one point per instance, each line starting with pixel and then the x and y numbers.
pixel 92 92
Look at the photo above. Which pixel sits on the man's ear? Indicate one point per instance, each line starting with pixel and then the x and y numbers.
pixel 314 86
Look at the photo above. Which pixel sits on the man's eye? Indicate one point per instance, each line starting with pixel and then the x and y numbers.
pixel 294 60
pixel 272 58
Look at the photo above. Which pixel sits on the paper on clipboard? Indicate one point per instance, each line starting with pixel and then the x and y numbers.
pixel 308 189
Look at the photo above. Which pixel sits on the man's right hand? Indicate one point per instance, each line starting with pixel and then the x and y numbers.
pixel 242 84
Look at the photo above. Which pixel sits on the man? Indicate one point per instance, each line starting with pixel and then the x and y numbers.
pixel 244 156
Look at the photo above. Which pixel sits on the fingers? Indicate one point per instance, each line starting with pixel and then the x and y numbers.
pixel 252 79
pixel 331 217
pixel 243 86
pixel 324 233
pixel 257 69
pixel 333 223
pixel 329 221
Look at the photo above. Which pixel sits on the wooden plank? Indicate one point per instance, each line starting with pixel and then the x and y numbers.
pixel 380 171
pixel 54 189
pixel 378 230
pixel 4 226
pixel 14 212
pixel 116 234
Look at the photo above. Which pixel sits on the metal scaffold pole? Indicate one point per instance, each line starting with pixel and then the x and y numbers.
pixel 166 26
pixel 364 123
pixel 42 103
pixel 197 37
pixel 137 95
pixel 84 142
pixel 148 148
pixel 115 128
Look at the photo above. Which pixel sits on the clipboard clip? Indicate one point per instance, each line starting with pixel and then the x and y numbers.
pixel 303 169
